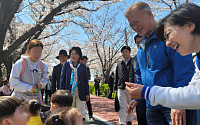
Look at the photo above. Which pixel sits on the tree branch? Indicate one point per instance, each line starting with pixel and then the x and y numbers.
pixel 4 25
pixel 33 30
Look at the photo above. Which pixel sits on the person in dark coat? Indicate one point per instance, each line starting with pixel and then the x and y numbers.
pixel 63 57
pixel 48 91
pixel 96 85
pixel 84 60
pixel 121 76
pixel 111 84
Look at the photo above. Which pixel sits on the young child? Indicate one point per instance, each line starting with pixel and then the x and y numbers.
pixel 34 109
pixel 29 74
pixel 65 116
pixel 61 98
pixel 11 111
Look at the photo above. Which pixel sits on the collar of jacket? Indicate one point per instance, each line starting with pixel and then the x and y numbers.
pixel 150 37
pixel 129 60
pixel 61 65
pixel 147 39
pixel 73 64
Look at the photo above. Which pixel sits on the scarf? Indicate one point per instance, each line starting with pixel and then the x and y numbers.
pixel 74 77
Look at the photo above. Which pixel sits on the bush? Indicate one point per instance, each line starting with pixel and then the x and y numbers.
pixel 91 88
pixel 104 90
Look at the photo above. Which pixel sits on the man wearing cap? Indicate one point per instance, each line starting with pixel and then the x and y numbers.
pixel 63 57
pixel 122 75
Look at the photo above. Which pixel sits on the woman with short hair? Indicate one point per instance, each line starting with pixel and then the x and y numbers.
pixel 74 77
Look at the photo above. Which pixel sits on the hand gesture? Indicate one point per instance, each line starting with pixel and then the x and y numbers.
pixel 34 88
pixel 87 98
pixel 178 117
pixel 132 106
pixel 39 86
pixel 134 90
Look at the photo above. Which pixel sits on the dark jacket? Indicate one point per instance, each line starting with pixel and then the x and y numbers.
pixel 110 81
pixel 96 82
pixel 56 78
pixel 122 74
pixel 88 72
pixel 132 73
pixel 83 87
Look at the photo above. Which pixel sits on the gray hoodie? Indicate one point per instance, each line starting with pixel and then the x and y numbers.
pixel 23 84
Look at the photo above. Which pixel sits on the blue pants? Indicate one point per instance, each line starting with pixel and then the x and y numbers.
pixel 198 117
pixel 158 116
pixel 191 117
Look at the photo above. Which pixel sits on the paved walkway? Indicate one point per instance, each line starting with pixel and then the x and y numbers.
pixel 103 109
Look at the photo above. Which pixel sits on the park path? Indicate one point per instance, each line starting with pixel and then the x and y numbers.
pixel 104 108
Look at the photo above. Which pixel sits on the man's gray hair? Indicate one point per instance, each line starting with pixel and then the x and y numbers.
pixel 137 6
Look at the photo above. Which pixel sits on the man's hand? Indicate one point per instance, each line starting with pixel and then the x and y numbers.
pixel 132 106
pixel 39 86
pixel 134 90
pixel 178 117
pixel 87 98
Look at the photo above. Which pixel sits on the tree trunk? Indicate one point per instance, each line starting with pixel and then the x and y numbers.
pixel 1 75
pixel 8 65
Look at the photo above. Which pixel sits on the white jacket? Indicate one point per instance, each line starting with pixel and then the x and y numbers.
pixel 187 97
pixel 23 84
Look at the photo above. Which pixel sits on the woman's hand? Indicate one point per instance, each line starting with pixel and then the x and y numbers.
pixel 134 90
pixel 34 88
pixel 39 86
pixel 87 98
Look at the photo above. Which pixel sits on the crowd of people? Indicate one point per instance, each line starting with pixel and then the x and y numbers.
pixel 161 82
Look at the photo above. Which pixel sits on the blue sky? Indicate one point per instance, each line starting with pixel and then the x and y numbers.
pixel 121 20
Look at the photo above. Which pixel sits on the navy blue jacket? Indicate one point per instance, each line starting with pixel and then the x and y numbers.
pixel 83 87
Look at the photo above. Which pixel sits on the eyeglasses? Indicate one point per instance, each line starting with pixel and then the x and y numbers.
pixel 165 37
pixel 167 33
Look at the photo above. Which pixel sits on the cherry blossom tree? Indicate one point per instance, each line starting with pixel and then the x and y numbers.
pixel 106 36
pixel 23 20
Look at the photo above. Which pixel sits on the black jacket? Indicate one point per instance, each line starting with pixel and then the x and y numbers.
pixel 122 73
pixel 132 73
pixel 96 82
pixel 110 81
pixel 56 78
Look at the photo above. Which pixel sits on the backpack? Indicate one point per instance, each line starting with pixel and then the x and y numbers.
pixel 24 66
pixel 23 69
